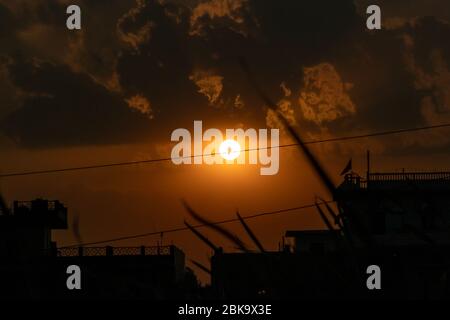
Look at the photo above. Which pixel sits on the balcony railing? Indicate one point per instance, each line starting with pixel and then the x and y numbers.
pixel 411 176
pixel 354 181
pixel 114 251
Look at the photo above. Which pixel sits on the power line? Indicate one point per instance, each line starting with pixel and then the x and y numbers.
pixel 129 163
pixel 261 214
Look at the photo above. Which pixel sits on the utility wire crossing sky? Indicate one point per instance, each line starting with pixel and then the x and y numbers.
pixel 256 215
pixel 128 163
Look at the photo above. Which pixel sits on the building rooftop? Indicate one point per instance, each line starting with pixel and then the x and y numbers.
pixel 36 213
pixel 397 180
pixel 117 251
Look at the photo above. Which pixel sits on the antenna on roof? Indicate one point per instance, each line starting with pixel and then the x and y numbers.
pixel 368 165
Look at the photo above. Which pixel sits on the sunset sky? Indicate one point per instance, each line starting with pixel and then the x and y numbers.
pixel 137 70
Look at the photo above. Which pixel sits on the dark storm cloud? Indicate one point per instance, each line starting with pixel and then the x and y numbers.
pixel 6 22
pixel 178 59
pixel 393 75
pixel 9 97
pixel 65 108
pixel 276 38
pixel 7 27
pixel 401 10
pixel 62 78
pixel 280 40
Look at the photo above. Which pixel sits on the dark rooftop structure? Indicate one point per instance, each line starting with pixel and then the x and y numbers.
pixel 399 205
pixel 31 265
pixel 311 241
pixel 26 231
pixel 399 221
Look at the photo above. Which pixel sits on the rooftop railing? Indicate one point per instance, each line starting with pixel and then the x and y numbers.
pixel 410 176
pixel 397 178
pixel 115 251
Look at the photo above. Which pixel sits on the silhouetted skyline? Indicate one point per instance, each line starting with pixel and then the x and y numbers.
pixel 114 91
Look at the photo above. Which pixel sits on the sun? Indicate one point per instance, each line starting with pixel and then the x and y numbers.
pixel 229 149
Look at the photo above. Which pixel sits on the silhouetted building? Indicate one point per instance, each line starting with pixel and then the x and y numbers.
pixel 397 221
pixel 31 266
pixel 26 231
pixel 281 275
pixel 397 207
pixel 311 241
pixel 120 272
